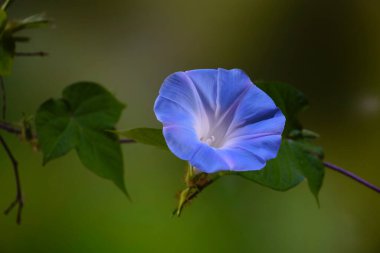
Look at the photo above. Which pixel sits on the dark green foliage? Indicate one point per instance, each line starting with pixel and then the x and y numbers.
pixel 298 157
pixel 291 166
pixel 290 100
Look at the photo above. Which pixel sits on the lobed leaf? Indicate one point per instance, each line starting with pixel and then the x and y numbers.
pixel 80 120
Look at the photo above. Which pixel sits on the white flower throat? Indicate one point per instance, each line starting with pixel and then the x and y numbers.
pixel 213 129
pixel 210 140
pixel 213 134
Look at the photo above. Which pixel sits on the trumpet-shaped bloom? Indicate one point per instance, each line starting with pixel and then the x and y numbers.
pixel 219 120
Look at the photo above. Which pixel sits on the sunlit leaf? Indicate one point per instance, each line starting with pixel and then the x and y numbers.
pixel 35 21
pixel 148 136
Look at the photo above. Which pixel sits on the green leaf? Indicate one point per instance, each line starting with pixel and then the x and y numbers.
pixel 311 148
pixel 148 136
pixel 291 166
pixel 35 21
pixel 290 100
pixel 80 120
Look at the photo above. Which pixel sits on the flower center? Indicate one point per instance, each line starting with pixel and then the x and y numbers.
pixel 213 128
pixel 214 137
pixel 209 140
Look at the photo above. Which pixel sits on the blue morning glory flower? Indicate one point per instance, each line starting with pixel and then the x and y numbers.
pixel 219 120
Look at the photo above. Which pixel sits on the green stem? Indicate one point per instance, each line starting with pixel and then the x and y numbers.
pixel 195 183
pixel 189 175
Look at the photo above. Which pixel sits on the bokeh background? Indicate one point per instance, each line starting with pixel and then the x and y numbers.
pixel 328 49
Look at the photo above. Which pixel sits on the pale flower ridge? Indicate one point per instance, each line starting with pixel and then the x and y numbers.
pixel 218 120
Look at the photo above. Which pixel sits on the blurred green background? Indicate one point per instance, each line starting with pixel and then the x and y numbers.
pixel 328 49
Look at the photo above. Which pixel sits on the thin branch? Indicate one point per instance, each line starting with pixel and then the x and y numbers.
pixel 126 141
pixel 19 199
pixel 7 127
pixel 195 185
pixel 4 98
pixel 190 194
pixel 352 176
pixel 39 54
pixel 199 190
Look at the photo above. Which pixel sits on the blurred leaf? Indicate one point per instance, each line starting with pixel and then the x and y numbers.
pixel 8 42
pixel 303 134
pixel 35 21
pixel 80 120
pixel 290 100
pixel 149 136
pixel 7 50
pixel 291 166
pixel 6 4
pixel 7 47
pixel 3 20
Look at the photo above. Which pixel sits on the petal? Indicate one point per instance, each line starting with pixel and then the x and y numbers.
pixel 170 112
pixel 232 84
pixel 240 159
pixel 209 160
pixel 205 82
pixel 266 147
pixel 177 88
pixel 179 103
pixel 183 142
pixel 254 107
pixel 271 126
pixel 219 90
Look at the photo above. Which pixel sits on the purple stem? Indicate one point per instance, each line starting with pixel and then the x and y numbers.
pixel 126 141
pixel 9 128
pixel 352 176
